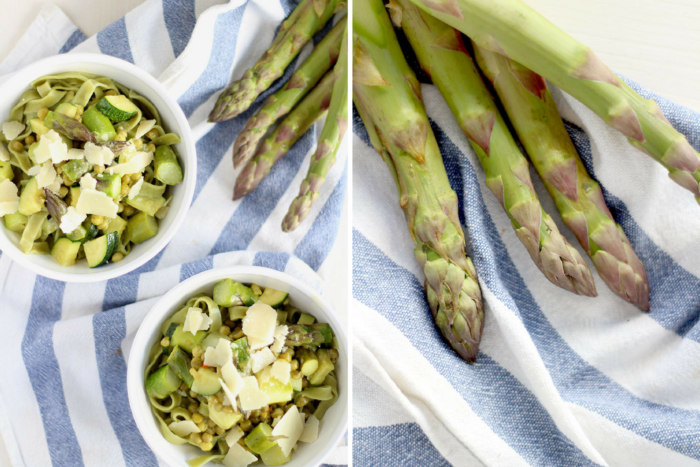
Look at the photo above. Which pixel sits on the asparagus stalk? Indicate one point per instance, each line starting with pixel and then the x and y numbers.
pixel 388 98
pixel 311 334
pixel 513 29
pixel 328 144
pixel 313 107
pixel 441 53
pixel 534 114
pixel 302 81
pixel 306 20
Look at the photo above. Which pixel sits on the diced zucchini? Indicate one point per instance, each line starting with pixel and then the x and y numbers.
pixel 162 382
pixel 237 312
pixel 228 292
pixel 167 168
pixel 171 329
pixel 30 151
pixel 117 108
pixel 118 224
pixel 275 456
pixel 16 222
pixel 281 317
pixel 73 195
pixel 276 391
pixel 223 419
pixel 76 168
pixel 32 198
pixel 325 366
pixel 37 126
pixel 306 318
pixel 68 109
pixel 296 384
pixel 146 204
pixel 6 172
pixel 149 190
pixel 240 351
pixel 206 383
pixel 65 251
pixel 111 185
pixel 185 339
pixel 257 440
pixel 99 124
pixel 274 298
pixel 141 227
pixel 101 249
pixel 78 234
pixel 179 362
pixel 67 141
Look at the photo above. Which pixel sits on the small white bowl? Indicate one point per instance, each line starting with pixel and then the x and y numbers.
pixel 174 120
pixel 333 425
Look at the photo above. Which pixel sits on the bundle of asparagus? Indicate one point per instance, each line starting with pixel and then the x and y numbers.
pixel 388 97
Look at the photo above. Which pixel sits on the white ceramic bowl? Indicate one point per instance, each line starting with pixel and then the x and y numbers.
pixel 334 423
pixel 174 120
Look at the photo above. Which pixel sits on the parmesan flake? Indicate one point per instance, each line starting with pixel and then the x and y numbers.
pixel 238 457
pixel 251 397
pixel 219 355
pixel 259 324
pixel 96 202
pixel 290 428
pixel 261 359
pixel 88 182
pixel 144 127
pixel 135 188
pixel 9 201
pixel 4 153
pixel 46 175
pixel 184 428
pixel 98 155
pixel 71 220
pixel 50 147
pixel 136 164
pixel 196 321
pixel 12 129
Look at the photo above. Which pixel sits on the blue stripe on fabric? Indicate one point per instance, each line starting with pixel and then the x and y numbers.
pixel 272 259
pixel 674 298
pixel 180 18
pixel 192 268
pixel 492 392
pixel 319 240
pixel 123 290
pixel 109 330
pixel 401 445
pixel 255 208
pixel 216 75
pixel 73 41
pixel 45 375
pixel 114 40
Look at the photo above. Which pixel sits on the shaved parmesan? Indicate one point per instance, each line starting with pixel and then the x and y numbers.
pixel 12 129
pixel 9 201
pixel 261 359
pixel 96 202
pixel 234 435
pixel 280 336
pixel 238 457
pixel 196 321
pixel 259 323
pixel 184 428
pixel 281 371
pixel 71 220
pixel 87 182
pixel 135 188
pixel 34 171
pixel 56 185
pixel 75 153
pixel 50 147
pixel 144 127
pixel 4 153
pixel 46 175
pixel 136 164
pixel 98 155
pixel 219 355
pixel 310 433
pixel 251 397
pixel 290 428
pixel 234 383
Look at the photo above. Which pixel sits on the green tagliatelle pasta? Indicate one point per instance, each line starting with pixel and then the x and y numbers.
pixel 74 133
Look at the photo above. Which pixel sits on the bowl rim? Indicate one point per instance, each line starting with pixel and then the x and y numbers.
pixel 154 316
pixel 188 183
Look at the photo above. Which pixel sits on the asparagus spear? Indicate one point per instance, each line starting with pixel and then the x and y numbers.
pixel 534 114
pixel 311 334
pixel 313 107
pixel 441 53
pixel 302 81
pixel 511 28
pixel 388 98
pixel 306 20
pixel 328 144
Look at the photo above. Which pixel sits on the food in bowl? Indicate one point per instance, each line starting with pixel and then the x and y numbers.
pixel 242 375
pixel 85 169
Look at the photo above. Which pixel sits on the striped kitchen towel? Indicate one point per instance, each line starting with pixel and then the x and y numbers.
pixel 63 399
pixel 560 380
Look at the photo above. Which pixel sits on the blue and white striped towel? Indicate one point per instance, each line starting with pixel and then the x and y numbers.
pixel 560 380
pixel 63 398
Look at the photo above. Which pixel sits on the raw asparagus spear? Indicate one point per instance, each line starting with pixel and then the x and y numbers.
pixel 328 144
pixel 442 54
pixel 275 146
pixel 306 20
pixel 302 81
pixel 534 114
pixel 511 28
pixel 388 98
pixel 312 334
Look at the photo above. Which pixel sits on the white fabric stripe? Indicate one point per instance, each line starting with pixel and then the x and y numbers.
pixel 55 29
pixel 148 38
pixel 338 456
pixel 400 362
pixel 134 315
pixel 77 361
pixel 88 46
pixel 8 439
pixel 661 207
pixel 200 6
pixel 25 418
pixel 372 405
pixel 623 448
pixel 621 341
pixel 236 257
pixel 82 299
pixel 157 283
